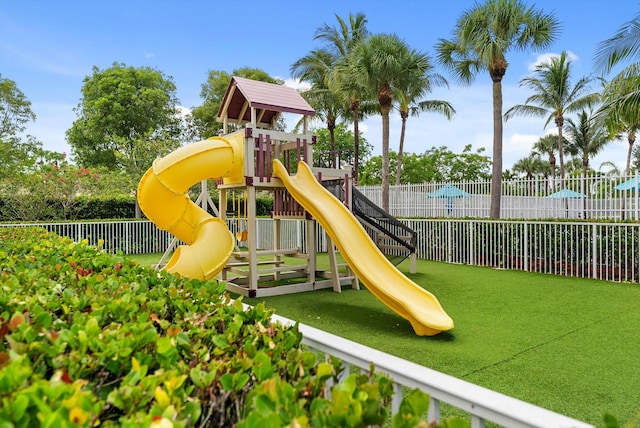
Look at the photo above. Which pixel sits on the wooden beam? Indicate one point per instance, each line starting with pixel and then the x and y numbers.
pixel 244 108
pixel 225 108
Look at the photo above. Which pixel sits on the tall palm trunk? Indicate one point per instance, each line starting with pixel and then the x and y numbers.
pixel 385 99
pixel 631 139
pixel 552 162
pixel 331 126
pixel 355 109
pixel 496 171
pixel 560 124
pixel 583 185
pixel 403 115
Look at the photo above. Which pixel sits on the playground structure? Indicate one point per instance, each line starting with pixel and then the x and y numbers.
pixel 257 158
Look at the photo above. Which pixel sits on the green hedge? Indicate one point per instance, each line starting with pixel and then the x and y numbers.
pixel 95 208
pixel 89 338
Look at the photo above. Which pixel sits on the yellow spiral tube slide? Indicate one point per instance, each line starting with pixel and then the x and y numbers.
pixel 162 196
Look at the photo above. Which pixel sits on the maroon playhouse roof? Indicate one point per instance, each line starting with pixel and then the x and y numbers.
pixel 268 99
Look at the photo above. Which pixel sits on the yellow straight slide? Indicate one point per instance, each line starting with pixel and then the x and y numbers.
pixel 162 195
pixel 381 277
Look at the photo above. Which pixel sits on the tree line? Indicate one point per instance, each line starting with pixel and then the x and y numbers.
pixel 129 116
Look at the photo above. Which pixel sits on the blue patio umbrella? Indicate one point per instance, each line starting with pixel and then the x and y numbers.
pixel 629 184
pixel 449 192
pixel 566 194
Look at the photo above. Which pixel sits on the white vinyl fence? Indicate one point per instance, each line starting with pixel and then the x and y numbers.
pixel 482 404
pixel 537 198
pixel 607 251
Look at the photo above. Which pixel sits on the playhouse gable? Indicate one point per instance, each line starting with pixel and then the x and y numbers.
pixel 266 101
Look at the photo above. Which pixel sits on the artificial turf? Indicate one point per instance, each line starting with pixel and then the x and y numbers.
pixel 570 345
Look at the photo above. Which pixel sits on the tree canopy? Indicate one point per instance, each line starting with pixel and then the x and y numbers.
pixel 437 164
pixel 126 117
pixel 344 142
pixel 16 153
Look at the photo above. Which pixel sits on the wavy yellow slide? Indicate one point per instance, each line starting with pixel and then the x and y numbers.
pixel 162 195
pixel 382 278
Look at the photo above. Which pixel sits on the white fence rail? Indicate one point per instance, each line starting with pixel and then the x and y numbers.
pixel 537 198
pixel 482 404
pixel 607 251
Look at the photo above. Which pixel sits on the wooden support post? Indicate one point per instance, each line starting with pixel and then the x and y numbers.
pixel 333 262
pixel 412 262
pixel 252 241
pixel 311 250
pixel 276 246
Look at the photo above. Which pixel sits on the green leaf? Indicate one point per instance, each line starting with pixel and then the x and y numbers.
pixel 262 368
pixel 226 380
pixel 455 422
pixel 19 407
pixel 220 341
pixel 325 371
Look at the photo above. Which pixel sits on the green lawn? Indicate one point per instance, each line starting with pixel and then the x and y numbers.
pixel 567 344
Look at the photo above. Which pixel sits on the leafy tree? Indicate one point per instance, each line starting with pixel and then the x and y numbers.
pixel 344 141
pixel 126 116
pixel 410 96
pixel 481 39
pixel 554 96
pixel 202 120
pixel 30 195
pixel 470 165
pixel 15 113
pixel 15 109
pixel 437 164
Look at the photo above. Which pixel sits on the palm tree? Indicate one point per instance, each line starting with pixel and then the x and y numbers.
pixel 315 68
pixel 412 92
pixel 482 37
pixel 586 138
pixel 548 145
pixel 554 97
pixel 381 61
pixel 530 166
pixel 623 45
pixel 347 85
pixel 618 119
pixel 612 171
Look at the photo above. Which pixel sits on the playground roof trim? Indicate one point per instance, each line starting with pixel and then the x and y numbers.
pixel 268 99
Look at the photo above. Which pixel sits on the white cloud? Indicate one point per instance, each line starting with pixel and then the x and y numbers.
pixel 546 57
pixel 149 55
pixel 296 84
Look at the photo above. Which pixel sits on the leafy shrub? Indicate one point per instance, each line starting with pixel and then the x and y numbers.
pixel 90 338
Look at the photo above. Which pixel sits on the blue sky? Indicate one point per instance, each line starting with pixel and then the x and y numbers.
pixel 49 47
